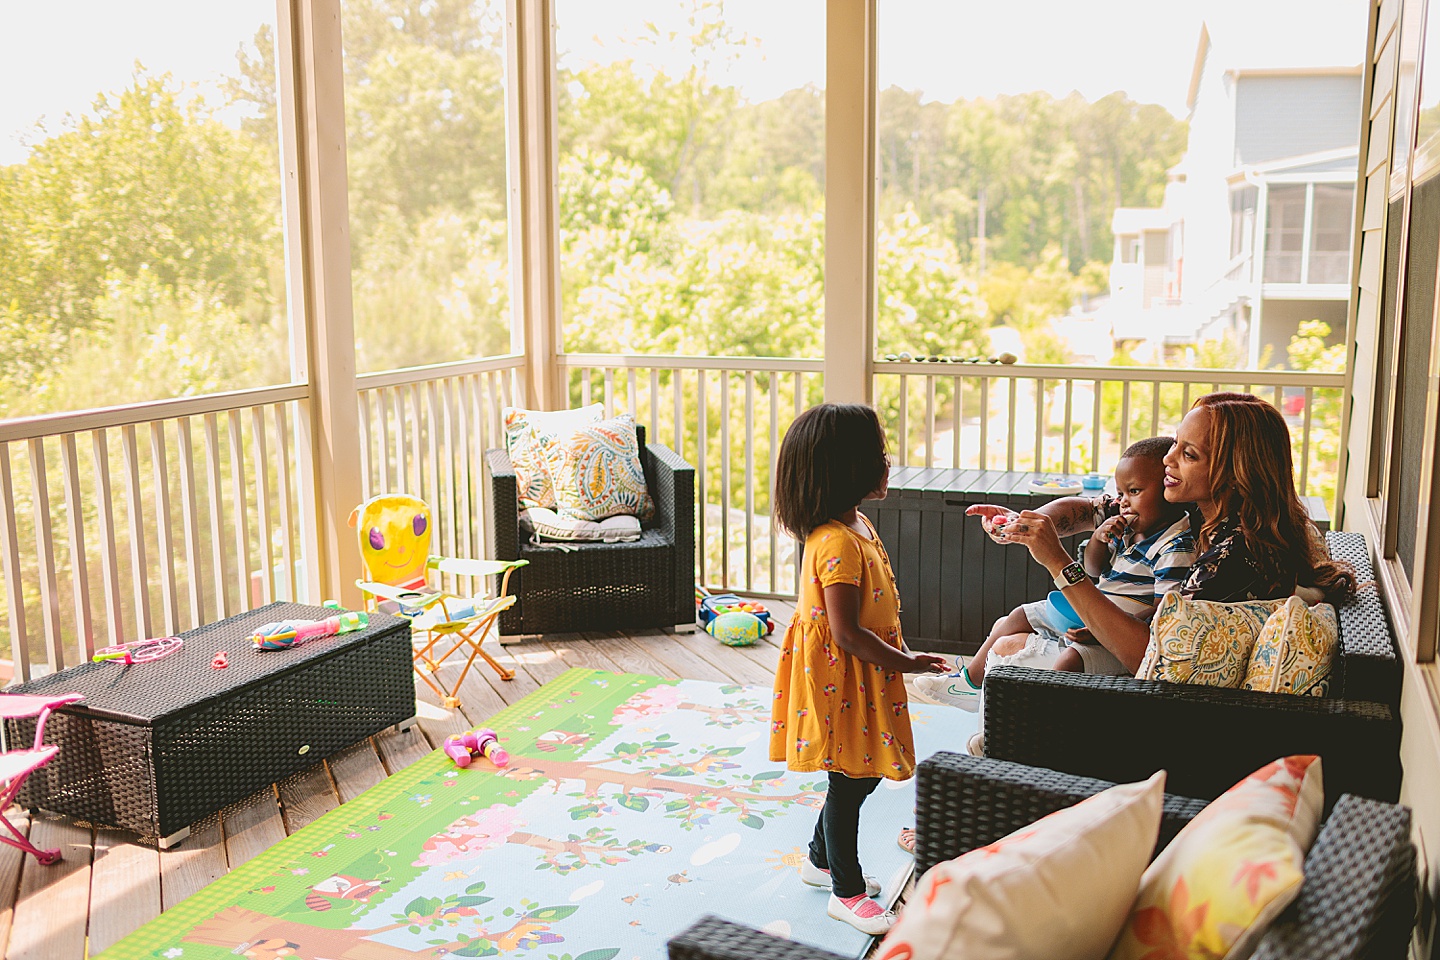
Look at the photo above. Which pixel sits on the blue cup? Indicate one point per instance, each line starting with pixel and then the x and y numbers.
pixel 1067 613
pixel 1093 481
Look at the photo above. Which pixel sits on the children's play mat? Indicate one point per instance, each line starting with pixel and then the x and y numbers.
pixel 631 806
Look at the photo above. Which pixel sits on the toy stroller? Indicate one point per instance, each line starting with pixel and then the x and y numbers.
pixel 16 765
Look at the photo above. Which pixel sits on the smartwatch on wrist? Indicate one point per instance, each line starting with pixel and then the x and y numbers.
pixel 1070 575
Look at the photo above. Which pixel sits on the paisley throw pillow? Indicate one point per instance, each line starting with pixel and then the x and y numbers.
pixel 1295 650
pixel 1203 641
pixel 597 473
pixel 529 435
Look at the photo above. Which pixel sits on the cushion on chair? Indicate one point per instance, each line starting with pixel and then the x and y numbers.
pixel 1215 889
pixel 1295 650
pixel 1203 641
pixel 596 472
pixel 529 434
pixel 548 525
pixel 1061 886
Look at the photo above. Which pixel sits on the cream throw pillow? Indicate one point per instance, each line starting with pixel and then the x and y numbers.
pixel 529 435
pixel 1215 889
pixel 1203 641
pixel 1061 887
pixel 1295 650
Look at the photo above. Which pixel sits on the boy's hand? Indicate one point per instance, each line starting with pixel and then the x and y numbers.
pixel 1113 529
pixel 928 663
pixel 1080 635
pixel 992 518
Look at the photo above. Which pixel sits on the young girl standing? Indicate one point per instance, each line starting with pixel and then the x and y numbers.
pixel 840 703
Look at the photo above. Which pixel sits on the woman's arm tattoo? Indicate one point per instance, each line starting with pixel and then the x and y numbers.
pixel 1072 515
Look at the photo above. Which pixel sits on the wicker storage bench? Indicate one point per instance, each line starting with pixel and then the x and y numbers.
pixel 1357 900
pixel 156 746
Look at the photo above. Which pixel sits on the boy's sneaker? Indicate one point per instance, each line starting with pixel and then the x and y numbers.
pixel 955 690
pixel 817 877
pixel 862 913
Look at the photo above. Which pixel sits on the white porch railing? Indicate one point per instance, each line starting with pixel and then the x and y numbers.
pixel 136 521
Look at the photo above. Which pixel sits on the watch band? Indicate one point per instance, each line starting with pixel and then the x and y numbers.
pixel 1069 575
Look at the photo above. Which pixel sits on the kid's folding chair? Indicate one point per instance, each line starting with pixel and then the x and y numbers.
pixel 16 765
pixel 394 535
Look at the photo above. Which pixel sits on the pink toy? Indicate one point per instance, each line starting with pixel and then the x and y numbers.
pixel 464 747
pixel 288 633
pixel 138 651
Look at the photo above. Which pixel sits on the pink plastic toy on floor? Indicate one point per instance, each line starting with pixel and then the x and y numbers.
pixel 16 765
pixel 464 747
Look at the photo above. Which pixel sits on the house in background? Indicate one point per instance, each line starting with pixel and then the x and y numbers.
pixel 1253 236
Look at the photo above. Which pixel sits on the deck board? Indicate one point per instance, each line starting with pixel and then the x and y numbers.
pixel 110 883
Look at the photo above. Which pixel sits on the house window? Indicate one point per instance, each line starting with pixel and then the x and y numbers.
pixel 1284 233
pixel 1330 223
pixel 1243 201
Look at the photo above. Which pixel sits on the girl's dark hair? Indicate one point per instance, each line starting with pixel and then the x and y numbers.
pixel 1252 477
pixel 831 457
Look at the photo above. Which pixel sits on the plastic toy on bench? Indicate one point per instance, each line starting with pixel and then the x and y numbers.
pixel 16 765
pixel 394 534
pixel 284 634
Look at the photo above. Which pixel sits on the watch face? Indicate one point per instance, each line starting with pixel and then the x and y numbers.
pixel 1073 573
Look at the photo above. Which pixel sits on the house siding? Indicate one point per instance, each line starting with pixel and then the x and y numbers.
pixel 1279 116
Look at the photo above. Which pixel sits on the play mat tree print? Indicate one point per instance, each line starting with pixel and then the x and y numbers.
pixel 630 806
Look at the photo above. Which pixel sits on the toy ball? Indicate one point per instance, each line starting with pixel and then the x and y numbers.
pixel 736 629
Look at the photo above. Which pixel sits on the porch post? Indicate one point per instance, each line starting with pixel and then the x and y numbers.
pixel 849 199
pixel 534 198
pixel 317 237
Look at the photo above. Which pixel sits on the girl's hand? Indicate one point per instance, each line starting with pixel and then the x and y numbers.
pixel 994 519
pixel 1037 532
pixel 928 663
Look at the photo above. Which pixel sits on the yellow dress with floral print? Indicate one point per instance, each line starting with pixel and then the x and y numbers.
pixel 833 711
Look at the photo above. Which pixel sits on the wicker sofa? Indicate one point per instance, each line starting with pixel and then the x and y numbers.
pixel 1121 729
pixel 602 586
pixel 1358 898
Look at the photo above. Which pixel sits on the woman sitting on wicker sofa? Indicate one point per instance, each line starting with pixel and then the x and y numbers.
pixel 1231 461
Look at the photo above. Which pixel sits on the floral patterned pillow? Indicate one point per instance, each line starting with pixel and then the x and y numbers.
pixel 1295 650
pixel 1203 641
pixel 597 473
pixel 1216 888
pixel 529 435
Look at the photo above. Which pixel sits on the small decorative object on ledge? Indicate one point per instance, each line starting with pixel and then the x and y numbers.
pixel 905 357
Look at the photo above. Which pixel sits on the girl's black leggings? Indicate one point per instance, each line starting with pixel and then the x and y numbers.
pixel 837 832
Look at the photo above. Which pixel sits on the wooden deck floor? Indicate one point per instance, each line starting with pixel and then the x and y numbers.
pixel 109 883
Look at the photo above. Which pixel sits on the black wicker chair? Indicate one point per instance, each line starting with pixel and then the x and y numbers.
pixel 602 586
pixel 1121 729
pixel 1358 898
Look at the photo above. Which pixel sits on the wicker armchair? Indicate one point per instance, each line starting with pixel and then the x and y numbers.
pixel 1122 729
pixel 602 586
pixel 1358 898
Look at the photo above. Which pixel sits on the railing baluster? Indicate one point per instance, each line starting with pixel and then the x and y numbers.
pixel 1010 433
pixel 655 404
pixel 631 405
pixel 417 450
pixel 609 392
pixel 282 466
pixel 105 515
pixel 774 451
pixel 984 423
pixel 584 375
pixel 725 479
pixel 382 396
pixel 403 473
pixel 265 540
pixel 1069 424
pixel 799 408
pixel 449 489
pixel 164 528
pixel 1039 425
pixel 903 430
pixel 1185 400
pixel 14 589
pixel 1095 427
pixel 702 436
pixel 749 479
pixel 217 524
pixel 189 520
pixel 1305 443
pixel 679 399
pixel 957 417
pixel 242 523
pixel 138 567
pixel 1124 415
pixel 366 484
pixel 498 400
pixel 929 421
pixel 439 509
pixel 75 517
pixel 45 556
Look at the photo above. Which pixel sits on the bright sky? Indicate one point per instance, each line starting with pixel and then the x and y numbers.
pixel 62 54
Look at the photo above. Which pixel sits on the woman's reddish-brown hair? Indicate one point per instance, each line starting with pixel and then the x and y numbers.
pixel 1252 478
